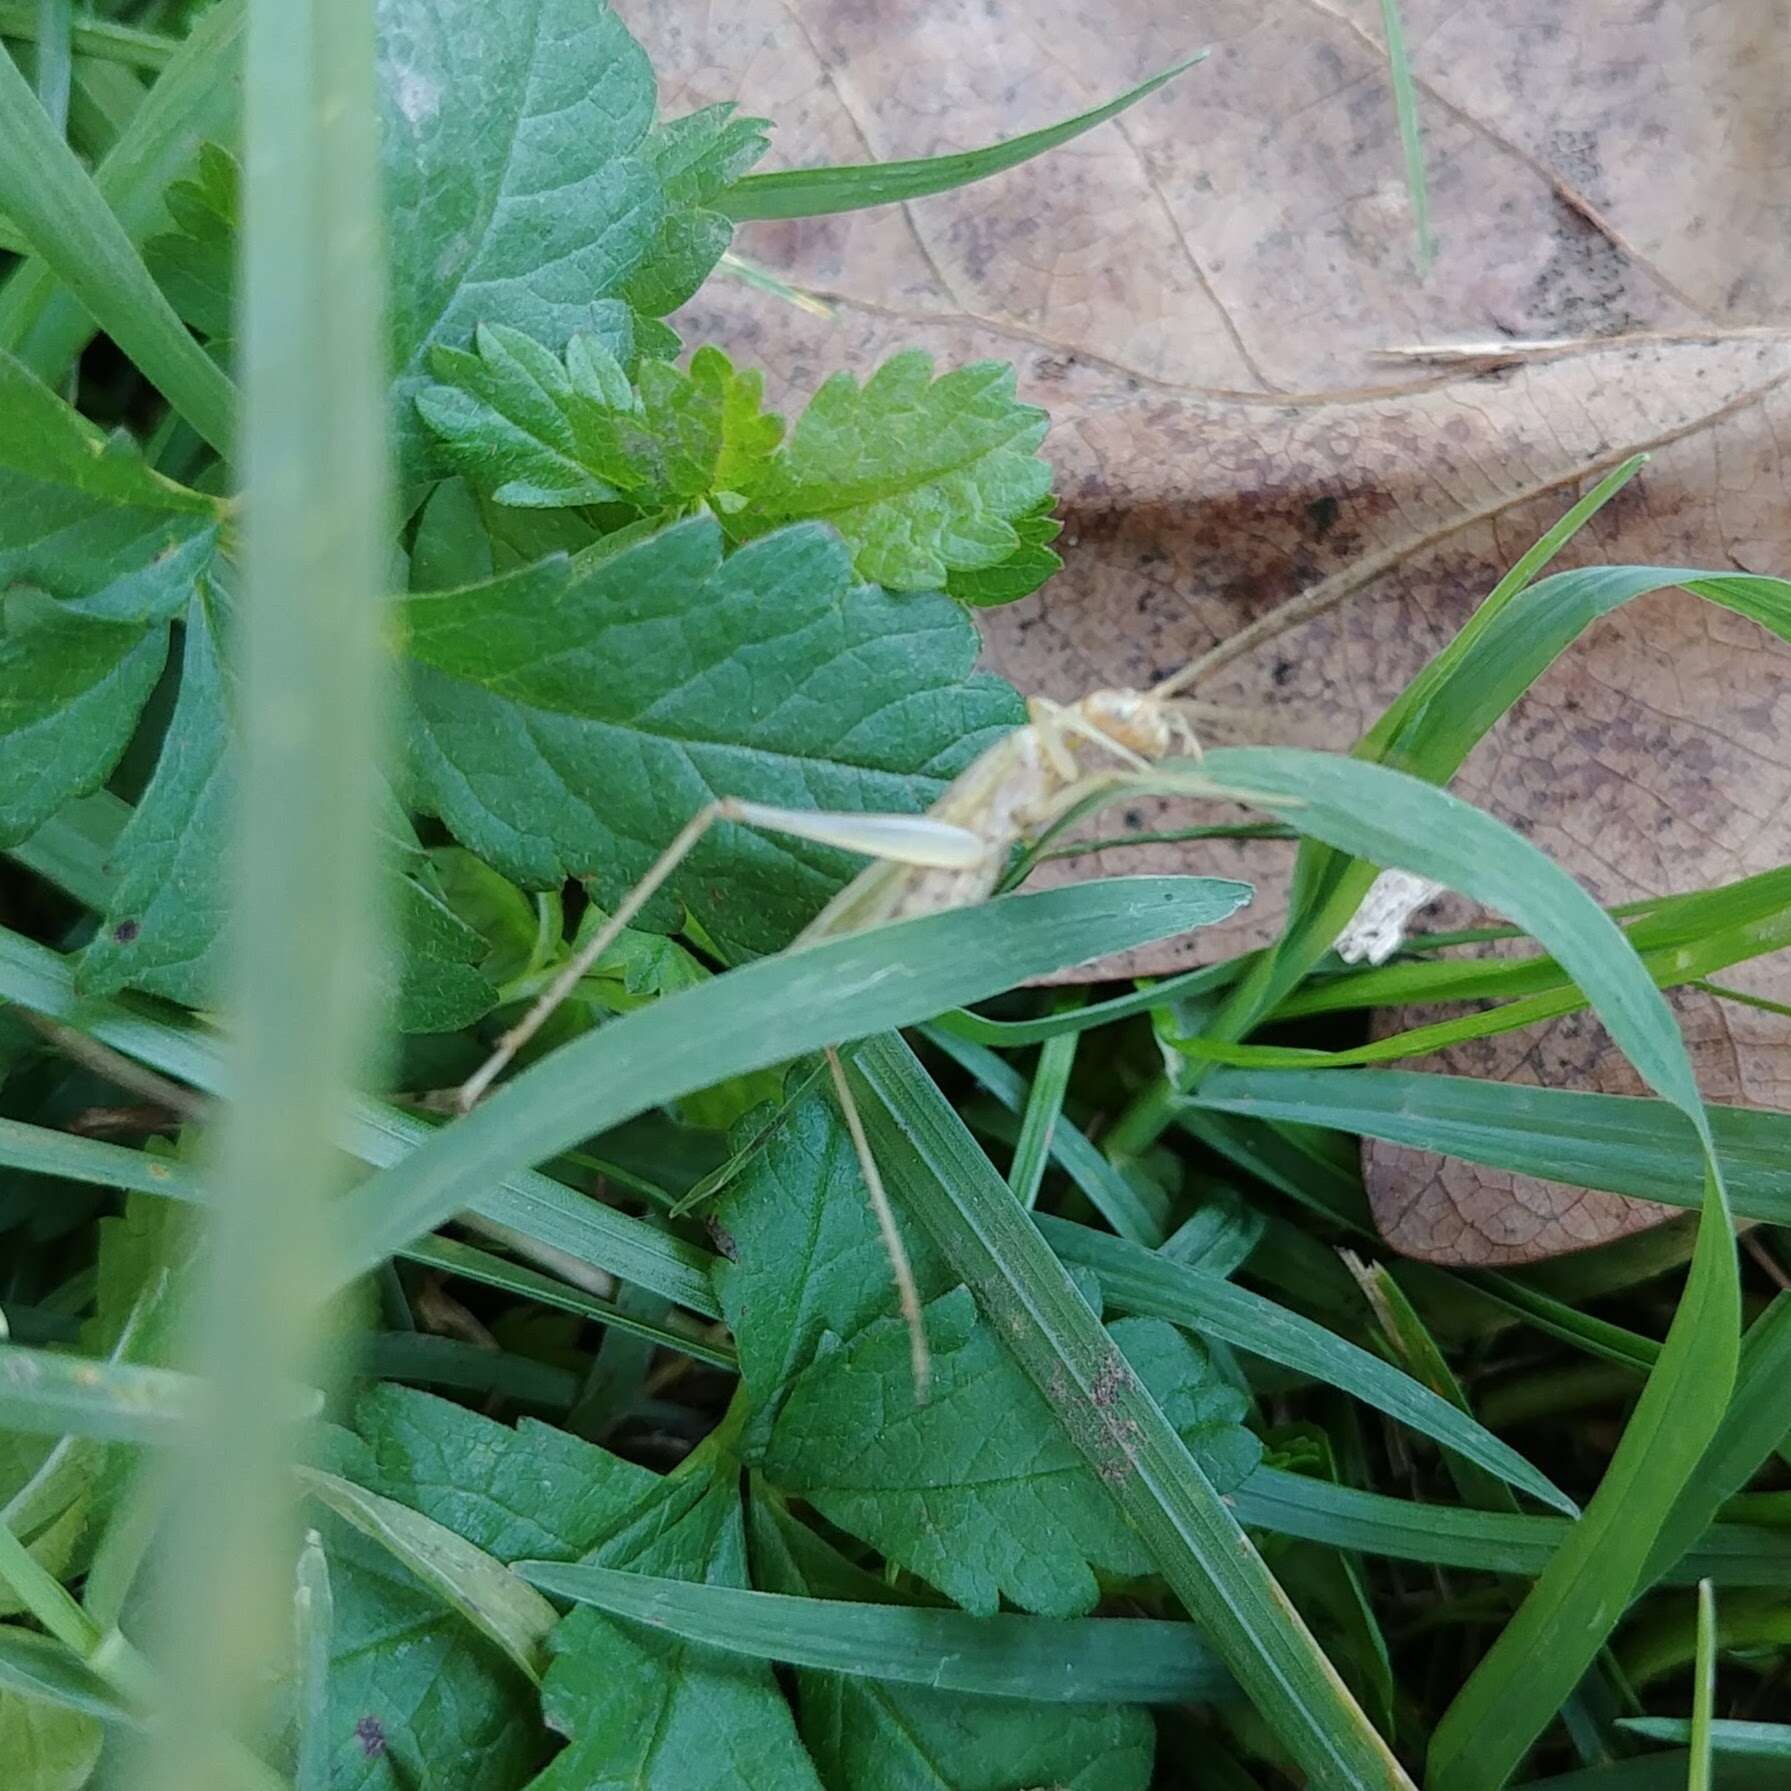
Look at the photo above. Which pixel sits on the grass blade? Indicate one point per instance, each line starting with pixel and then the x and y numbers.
pixel 47 1393
pixel 1150 1285
pixel 51 1672
pixel 1405 104
pixel 1622 1143
pixel 314 1618
pixel 102 39
pixel 52 199
pixel 1760 1741
pixel 306 903
pixel 939 1177
pixel 1498 1542
pixel 1102 1660
pixel 768 1012
pixel 1039 1121
pixel 55 59
pixel 197 98
pixel 1703 1690
pixel 814 192
pixel 1390 819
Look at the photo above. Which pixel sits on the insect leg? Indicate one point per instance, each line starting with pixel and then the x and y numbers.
pixel 896 1250
pixel 909 839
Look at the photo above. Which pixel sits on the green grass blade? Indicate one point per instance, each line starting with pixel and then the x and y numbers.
pixel 102 39
pixel 1703 1690
pixel 314 1619
pixel 1103 1660
pixel 1662 1772
pixel 307 910
pixel 46 192
pixel 1405 104
pixel 1623 1144
pixel 1148 1284
pixel 501 1607
pixel 1039 1122
pixel 1390 819
pixel 546 1210
pixel 1731 1554
pixel 1754 1427
pixel 938 1176
pixel 47 1393
pixel 1760 1741
pixel 55 59
pixel 51 1672
pixel 769 1012
pixel 1111 1195
pixel 197 98
pixel 814 192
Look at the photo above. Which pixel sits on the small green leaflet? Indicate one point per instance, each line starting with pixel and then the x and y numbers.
pixel 46 1747
pixel 526 182
pixel 541 432
pixel 980 1491
pixel 195 264
pixel 924 477
pixel 568 721
pixel 1022 572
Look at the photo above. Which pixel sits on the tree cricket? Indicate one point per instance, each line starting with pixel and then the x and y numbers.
pixel 951 856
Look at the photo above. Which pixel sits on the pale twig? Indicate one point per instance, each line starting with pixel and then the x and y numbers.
pixel 183 1103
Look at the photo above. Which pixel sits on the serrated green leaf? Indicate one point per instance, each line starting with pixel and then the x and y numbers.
pixel 924 477
pixel 531 195
pixel 195 263
pixel 979 1491
pixel 71 686
pixel 1022 572
pixel 538 431
pixel 695 157
pixel 639 1706
pixel 569 722
pixel 84 518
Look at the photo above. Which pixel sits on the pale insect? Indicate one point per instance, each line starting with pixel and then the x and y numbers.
pixel 950 857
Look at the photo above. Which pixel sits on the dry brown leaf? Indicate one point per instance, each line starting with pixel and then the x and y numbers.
pixel 1201 293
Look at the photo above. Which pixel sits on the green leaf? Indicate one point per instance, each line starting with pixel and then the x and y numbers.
pixel 539 431
pixel 640 1706
pixel 569 722
pixel 1022 572
pixel 197 97
pixel 696 158
pixel 411 1685
pixel 1763 1741
pixel 164 922
pixel 45 1746
pixel 978 1491
pixel 522 183
pixel 812 192
pixel 84 518
pixel 71 686
pixel 195 264
pixel 924 477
